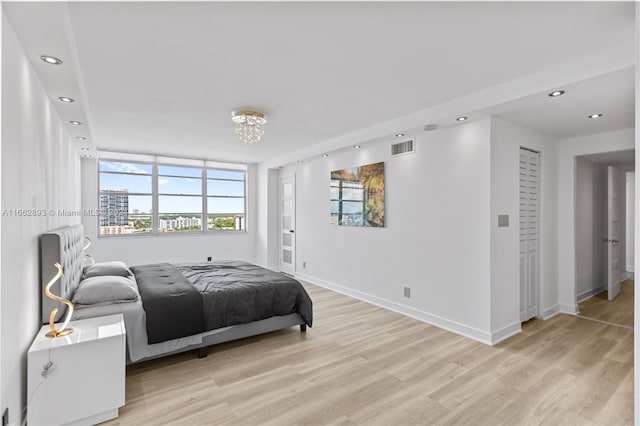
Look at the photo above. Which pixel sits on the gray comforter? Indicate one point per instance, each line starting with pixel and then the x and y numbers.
pixel 173 306
pixel 235 292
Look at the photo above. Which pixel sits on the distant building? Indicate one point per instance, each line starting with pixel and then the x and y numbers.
pixel 116 206
pixel 180 222
pixel 116 230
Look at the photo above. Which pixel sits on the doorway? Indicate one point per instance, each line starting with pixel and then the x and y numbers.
pixel 605 196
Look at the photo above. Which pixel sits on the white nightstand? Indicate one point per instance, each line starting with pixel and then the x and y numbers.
pixel 85 381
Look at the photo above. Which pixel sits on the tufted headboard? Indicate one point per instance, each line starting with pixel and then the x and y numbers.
pixel 65 246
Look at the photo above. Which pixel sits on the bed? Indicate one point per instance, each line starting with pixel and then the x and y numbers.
pixel 237 299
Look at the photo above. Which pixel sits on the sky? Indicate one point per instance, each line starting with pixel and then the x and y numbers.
pixel 179 188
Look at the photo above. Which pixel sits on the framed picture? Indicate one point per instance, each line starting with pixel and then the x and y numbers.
pixel 357 196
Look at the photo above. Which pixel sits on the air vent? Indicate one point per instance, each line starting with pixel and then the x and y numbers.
pixel 402 148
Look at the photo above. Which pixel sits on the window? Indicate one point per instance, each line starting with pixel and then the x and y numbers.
pixel 225 200
pixel 125 198
pixel 179 199
pixel 169 195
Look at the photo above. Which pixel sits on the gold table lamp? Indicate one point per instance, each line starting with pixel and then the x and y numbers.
pixel 64 330
pixel 86 255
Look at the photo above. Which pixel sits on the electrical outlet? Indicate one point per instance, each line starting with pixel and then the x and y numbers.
pixel 407 292
pixel 5 417
pixel 304 265
pixel 209 259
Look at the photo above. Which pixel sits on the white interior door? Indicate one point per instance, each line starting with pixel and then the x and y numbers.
pixel 529 225
pixel 287 225
pixel 614 228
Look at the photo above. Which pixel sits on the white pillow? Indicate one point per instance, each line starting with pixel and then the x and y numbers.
pixel 105 290
pixel 107 268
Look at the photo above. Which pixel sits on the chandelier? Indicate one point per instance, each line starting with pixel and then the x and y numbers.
pixel 249 125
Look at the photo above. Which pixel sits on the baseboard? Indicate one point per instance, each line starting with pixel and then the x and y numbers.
pixel 506 332
pixel 585 295
pixel 453 326
pixel 628 275
pixel 550 312
pixel 568 309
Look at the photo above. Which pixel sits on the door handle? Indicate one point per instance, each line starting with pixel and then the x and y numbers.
pixel 291 230
pixel 615 241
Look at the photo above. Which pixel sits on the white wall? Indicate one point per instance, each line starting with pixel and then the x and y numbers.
pixel 436 238
pixel 568 149
pixel 505 259
pixel 136 250
pixel 40 170
pixel 630 180
pixel 591 205
pixel 267 217
pixel 506 140
pixel 441 236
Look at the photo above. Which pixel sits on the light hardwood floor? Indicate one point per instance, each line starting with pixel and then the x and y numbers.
pixel 616 311
pixel 364 365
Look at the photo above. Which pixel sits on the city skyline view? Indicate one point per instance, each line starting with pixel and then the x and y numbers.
pixel 127 191
pixel 179 188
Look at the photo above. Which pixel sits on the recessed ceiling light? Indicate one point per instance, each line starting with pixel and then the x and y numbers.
pixel 356 146
pixel 51 60
pixel 325 155
pixel 75 123
pixel 595 115
pixel 81 138
pixel 556 93
pixel 461 119
pixel 399 135
pixel 65 99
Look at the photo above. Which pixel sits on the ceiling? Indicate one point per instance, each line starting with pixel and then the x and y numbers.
pixel 566 116
pixel 164 77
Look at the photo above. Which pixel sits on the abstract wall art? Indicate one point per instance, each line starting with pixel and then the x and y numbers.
pixel 357 196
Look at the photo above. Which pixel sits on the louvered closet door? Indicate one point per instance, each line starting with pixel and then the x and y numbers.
pixel 529 216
